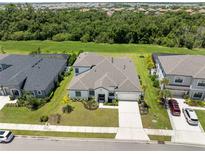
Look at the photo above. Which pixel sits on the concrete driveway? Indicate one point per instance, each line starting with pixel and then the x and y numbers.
pixel 185 133
pixel 130 123
pixel 129 115
pixel 3 101
pixel 179 122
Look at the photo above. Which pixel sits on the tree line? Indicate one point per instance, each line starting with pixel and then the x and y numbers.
pixel 172 29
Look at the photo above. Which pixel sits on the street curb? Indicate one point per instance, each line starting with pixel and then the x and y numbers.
pixel 105 139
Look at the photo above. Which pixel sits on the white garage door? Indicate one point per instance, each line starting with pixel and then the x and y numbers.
pixel 130 96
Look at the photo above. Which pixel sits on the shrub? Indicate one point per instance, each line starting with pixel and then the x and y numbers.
pixel 43 118
pixel 11 98
pixel 31 102
pixel 90 104
pixel 67 109
pixel 156 83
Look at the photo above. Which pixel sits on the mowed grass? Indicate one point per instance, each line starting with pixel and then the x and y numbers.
pixel 25 47
pixel 201 117
pixel 79 117
pixel 159 138
pixel 63 134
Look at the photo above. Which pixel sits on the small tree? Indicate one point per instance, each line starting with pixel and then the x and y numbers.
pixel 67 109
pixel 164 82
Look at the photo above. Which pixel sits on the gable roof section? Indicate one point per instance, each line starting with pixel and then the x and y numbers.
pixel 109 72
pixel 88 59
pixel 38 70
pixel 186 65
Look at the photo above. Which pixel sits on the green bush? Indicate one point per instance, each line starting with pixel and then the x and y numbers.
pixel 43 118
pixel 156 83
pixel 90 104
pixel 67 109
pixel 11 98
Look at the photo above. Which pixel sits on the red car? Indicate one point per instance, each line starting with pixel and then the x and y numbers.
pixel 174 107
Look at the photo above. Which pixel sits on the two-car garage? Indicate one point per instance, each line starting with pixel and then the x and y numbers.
pixel 128 96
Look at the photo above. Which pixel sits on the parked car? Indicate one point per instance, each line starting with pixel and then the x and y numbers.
pixel 174 107
pixel 190 116
pixel 6 136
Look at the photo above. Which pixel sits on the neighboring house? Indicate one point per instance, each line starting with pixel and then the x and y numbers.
pixel 32 73
pixel 104 78
pixel 186 74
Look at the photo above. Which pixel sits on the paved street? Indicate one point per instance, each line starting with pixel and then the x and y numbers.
pixel 36 144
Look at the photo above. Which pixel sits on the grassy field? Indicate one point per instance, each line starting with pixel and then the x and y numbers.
pixel 157 117
pixel 201 117
pixel 25 47
pixel 63 134
pixel 79 117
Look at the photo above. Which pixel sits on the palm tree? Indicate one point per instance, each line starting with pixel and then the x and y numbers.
pixel 164 93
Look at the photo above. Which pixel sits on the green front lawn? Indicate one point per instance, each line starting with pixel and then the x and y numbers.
pixel 79 117
pixel 63 134
pixel 201 117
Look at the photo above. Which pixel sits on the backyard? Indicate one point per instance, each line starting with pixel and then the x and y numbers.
pixel 156 118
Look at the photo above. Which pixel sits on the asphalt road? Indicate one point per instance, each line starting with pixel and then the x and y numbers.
pixel 41 144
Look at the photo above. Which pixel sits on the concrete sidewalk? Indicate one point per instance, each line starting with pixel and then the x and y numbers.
pixel 161 132
pixel 102 106
pixel 55 128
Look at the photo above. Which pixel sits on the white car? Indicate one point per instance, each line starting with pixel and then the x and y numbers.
pixel 6 136
pixel 190 116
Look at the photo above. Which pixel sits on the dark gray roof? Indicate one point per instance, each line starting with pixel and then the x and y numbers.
pixel 107 72
pixel 37 70
pixel 186 65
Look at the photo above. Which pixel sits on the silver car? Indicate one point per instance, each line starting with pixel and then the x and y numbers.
pixel 190 116
pixel 6 136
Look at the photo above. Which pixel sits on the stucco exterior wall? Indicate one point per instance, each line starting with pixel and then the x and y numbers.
pixel 84 94
pixel 186 80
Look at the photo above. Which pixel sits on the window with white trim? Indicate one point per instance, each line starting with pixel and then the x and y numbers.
pixel 178 80
pixel 198 95
pixel 76 70
pixel 201 83
pixel 39 92
pixel 91 92
pixel 78 94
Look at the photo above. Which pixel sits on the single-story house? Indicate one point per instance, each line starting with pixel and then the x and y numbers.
pixel 32 73
pixel 104 78
pixel 186 74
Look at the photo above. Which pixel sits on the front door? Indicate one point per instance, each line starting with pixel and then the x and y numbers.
pixel 101 98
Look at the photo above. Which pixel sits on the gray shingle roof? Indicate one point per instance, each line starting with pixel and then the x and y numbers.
pixel 108 72
pixel 186 65
pixel 38 70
